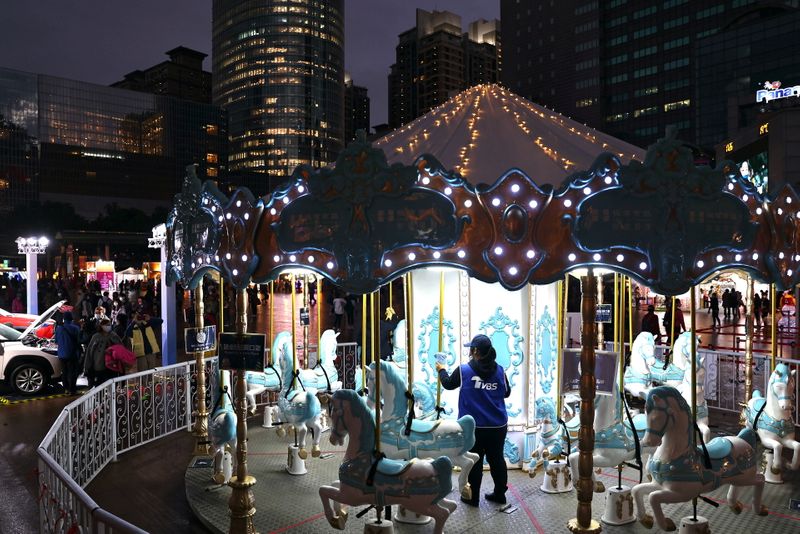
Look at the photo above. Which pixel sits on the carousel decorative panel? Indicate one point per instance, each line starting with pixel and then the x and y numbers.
pixel 426 336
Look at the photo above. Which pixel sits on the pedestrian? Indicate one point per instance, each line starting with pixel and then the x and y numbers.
pixel 650 323
pixel 714 303
pixel 18 304
pixel 484 389
pixel 69 352
pixel 765 307
pixel 350 310
pixel 726 303
pixel 144 342
pixel 338 312
pixel 737 303
pixel 757 309
pixel 95 365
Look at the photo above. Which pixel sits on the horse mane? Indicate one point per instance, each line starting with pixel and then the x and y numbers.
pixel 666 392
pixel 547 406
pixel 359 409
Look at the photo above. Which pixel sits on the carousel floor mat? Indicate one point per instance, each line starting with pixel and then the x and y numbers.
pixel 287 503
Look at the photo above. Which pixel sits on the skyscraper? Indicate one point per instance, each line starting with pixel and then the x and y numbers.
pixel 435 61
pixel 622 66
pixel 278 70
pixel 356 109
pixel 182 76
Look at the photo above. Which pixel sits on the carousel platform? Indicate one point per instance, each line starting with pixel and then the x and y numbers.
pixel 287 503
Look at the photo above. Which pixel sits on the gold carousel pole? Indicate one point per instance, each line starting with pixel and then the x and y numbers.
pixel 774 330
pixel 616 313
pixel 271 316
pixel 221 314
pixel 672 328
pixel 201 446
pixel 600 330
pixel 409 289
pixel 565 311
pixel 560 341
pixel 693 353
pixel 305 326
pixel 319 316
pixel 374 309
pixel 748 345
pixel 441 341
pixel 242 502
pixel 631 307
pixel 363 342
pixel 584 523
pixel 294 327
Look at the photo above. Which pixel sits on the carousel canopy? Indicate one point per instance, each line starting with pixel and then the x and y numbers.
pixel 487 130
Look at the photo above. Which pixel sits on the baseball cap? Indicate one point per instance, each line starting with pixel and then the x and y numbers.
pixel 480 342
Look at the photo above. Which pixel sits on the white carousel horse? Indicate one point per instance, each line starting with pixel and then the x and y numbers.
pixel 222 428
pixel 269 380
pixel 614 441
pixel 549 440
pixel 775 426
pixel 678 468
pixel 300 409
pixel 644 368
pixel 426 439
pixel 700 390
pixel 418 485
pixel 681 359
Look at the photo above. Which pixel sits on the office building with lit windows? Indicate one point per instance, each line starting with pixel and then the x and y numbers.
pixel 278 71
pixel 435 61
pixel 625 67
pixel 90 145
pixel 356 109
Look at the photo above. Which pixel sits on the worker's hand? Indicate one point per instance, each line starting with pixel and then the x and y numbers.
pixel 440 366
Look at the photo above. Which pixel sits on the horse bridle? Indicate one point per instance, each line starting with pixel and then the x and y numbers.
pixel 660 433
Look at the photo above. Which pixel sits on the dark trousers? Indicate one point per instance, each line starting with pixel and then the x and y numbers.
pixel 69 375
pixel 489 443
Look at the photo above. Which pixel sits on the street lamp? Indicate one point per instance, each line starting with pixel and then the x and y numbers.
pixel 31 246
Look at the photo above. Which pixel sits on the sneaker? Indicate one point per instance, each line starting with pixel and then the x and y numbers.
pixel 494 497
pixel 470 502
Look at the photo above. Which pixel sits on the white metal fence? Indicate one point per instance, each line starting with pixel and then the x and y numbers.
pixel 110 419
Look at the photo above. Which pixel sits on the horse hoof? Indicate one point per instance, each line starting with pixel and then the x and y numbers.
pixel 303 454
pixel 737 508
pixel 466 492
pixel 647 521
pixel 670 525
pixel 316 451
pixel 280 432
pixel 338 522
pixel 599 487
pixel 775 470
pixel 763 511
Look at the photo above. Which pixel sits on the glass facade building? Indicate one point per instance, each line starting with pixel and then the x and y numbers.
pixel 90 145
pixel 278 72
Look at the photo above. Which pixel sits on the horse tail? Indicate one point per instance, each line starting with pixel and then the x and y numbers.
pixel 443 467
pixel 467 424
pixel 749 436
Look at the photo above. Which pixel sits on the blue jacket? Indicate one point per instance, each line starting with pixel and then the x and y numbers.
pixel 67 338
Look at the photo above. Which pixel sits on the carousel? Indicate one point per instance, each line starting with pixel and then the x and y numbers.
pixel 437 260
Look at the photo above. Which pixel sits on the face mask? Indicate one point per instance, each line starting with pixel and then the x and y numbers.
pixel 107 328
pixel 98 316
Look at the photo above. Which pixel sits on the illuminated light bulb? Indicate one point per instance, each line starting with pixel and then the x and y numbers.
pixel 755 255
pixel 468 203
pixel 643 266
pixel 745 198
pixel 311 259
pixel 780 211
pixel 498 250
pixel 797 257
pixel 512 271
pixel 587 191
pixel 329 265
pixel 730 187
pixel 530 254
pixel 789 272
pixel 300 189
pixel 228 256
pixel 219 218
pixel 238 203
pixel 596 257
pixel 273 211
pixel 285 200
pixel 700 263
pixel 571 257
pixel 738 257
pixel 244 257
pixel 292 258
pixel 797 214
pixel 276 259
pixel 719 258
pixel 515 188
pixel 228 216
pixel 781 255
pixel 567 203
pixel 205 201
pixel 437 254
pixel 448 191
pixel 758 211
pixel 213 208
pixel 620 257
pixel 200 260
pixel 495 202
pixel 462 254
pixel 426 180
pixel 387 263
pixel 412 256
pixel 788 200
pixel 246 216
pixel 216 258
pixel 235 272
pixel 532 204
pixel 193 265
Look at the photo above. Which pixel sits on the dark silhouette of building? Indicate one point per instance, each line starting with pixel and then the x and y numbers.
pixel 435 61
pixel 278 71
pixel 356 109
pixel 622 66
pixel 90 145
pixel 182 76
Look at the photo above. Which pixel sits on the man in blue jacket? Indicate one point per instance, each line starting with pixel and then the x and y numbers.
pixel 484 389
pixel 67 337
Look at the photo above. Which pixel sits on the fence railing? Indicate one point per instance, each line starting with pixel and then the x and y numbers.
pixel 110 419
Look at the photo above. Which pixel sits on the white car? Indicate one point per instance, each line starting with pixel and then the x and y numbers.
pixel 27 362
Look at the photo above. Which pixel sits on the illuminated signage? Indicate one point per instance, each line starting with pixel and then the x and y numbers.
pixel 774 91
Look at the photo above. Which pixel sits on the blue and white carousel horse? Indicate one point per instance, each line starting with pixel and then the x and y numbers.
pixel 679 469
pixel 614 442
pixel 420 486
pixel 644 368
pixel 550 439
pixel 222 430
pixel 426 439
pixel 299 408
pixel 269 380
pixel 681 358
pixel 774 426
pixel 700 389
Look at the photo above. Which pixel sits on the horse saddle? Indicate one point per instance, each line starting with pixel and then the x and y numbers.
pixel 424 427
pixel 718 448
pixel 393 468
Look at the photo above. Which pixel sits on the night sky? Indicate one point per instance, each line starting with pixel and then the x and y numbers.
pixel 101 40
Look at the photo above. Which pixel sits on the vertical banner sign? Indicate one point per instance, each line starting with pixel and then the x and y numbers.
pixel 242 351
pixel 605 372
pixel 201 339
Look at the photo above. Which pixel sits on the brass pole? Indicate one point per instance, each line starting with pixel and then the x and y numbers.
pixel 616 313
pixel 271 317
pixel 305 326
pixel 565 312
pixel 372 323
pixel 600 330
pixel 363 342
pixel 441 340
pixel 319 317
pixel 242 502
pixel 294 326
pixel 748 345
pixel 621 353
pixel 409 330
pixel 693 353
pixel 201 446
pixel 560 341
pixel 672 327
pixel 774 330
pixel 584 523
pixel 221 318
pixel 631 307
